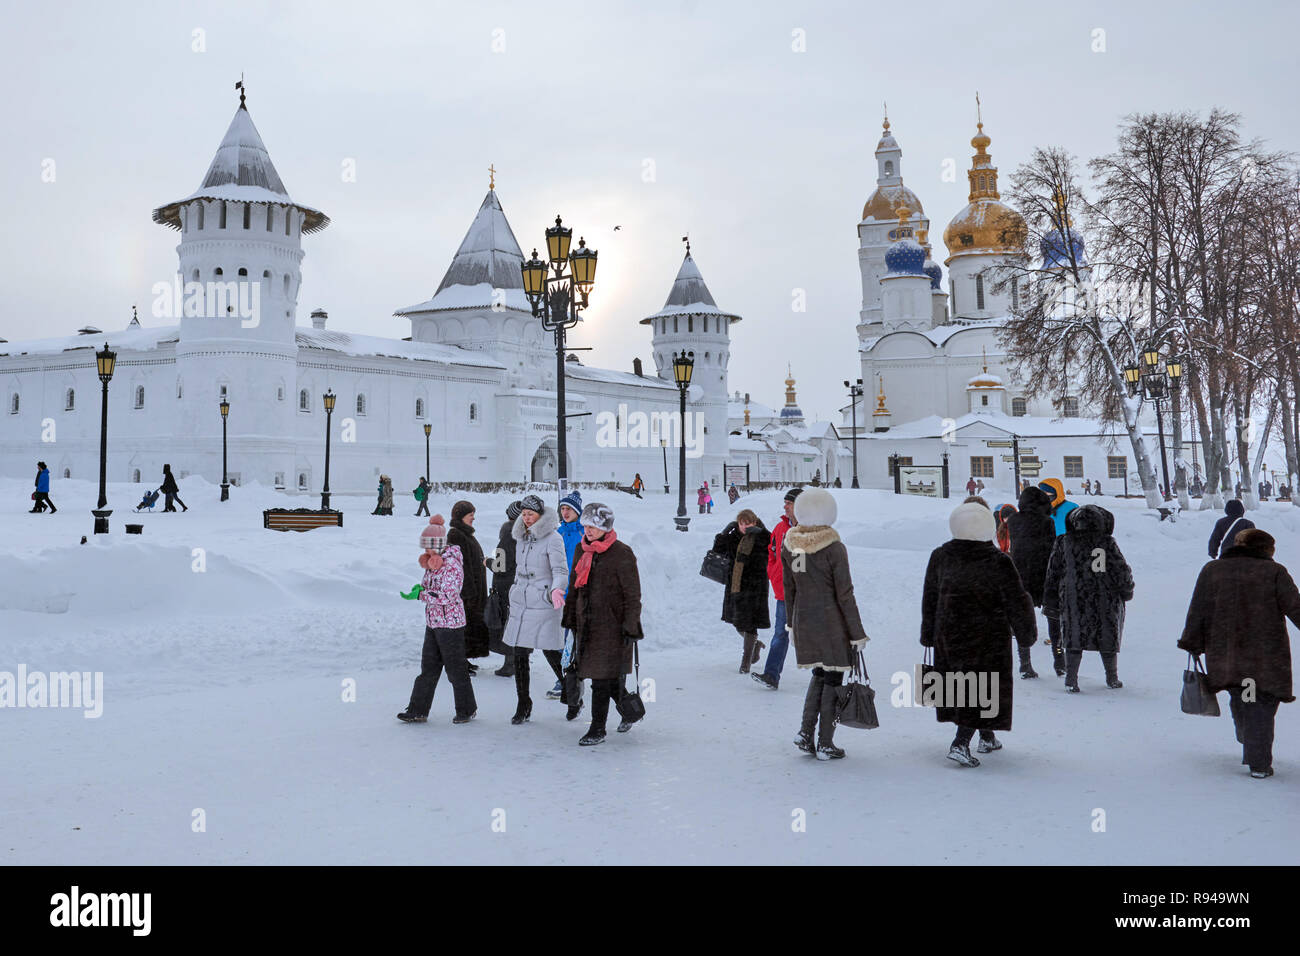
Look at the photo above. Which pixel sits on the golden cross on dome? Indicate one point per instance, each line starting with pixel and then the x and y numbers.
pixel 979 116
pixel 985 351
pixel 886 105
pixel 492 177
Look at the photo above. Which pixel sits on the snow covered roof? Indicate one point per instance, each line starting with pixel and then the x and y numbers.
pixel 741 443
pixel 941 333
pixel 134 338
pixel 689 295
pixel 736 409
pixel 371 345
pixel 576 370
pixel 488 259
pixel 242 171
pixel 1025 426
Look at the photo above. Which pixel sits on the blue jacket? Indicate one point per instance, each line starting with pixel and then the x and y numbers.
pixel 43 480
pixel 1059 513
pixel 571 532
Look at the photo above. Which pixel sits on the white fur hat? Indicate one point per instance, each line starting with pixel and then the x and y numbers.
pixel 971 522
pixel 816 506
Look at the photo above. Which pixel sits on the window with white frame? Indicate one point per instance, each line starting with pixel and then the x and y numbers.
pixel 1019 407
pixel 361 404
pixel 70 400
pixel 139 396
pixel 304 401
pixel 1073 466
pixel 13 403
pixel 419 408
pixel 1070 407
pixel 1116 466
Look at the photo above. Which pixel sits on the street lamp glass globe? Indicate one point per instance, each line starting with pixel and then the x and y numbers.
pixel 105 361
pixel 225 408
pixel 583 263
pixel 558 239
pixel 330 399
pixel 534 276
pixel 683 367
pixel 1151 356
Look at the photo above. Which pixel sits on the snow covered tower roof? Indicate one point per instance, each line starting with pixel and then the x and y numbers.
pixel 242 171
pixel 689 295
pixel 489 258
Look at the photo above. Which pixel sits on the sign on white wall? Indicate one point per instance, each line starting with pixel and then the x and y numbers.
pixel 769 467
pixel 924 480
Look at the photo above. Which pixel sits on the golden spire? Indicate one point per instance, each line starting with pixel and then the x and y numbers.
pixel 880 398
pixel 983 174
pixel 886 121
pixel 492 177
pixel 789 386
pixel 984 350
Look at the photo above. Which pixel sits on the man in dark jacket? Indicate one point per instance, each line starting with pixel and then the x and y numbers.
pixel 1233 522
pixel 502 565
pixel 972 606
pixel 744 596
pixel 171 490
pixel 1237 618
pixel 474 589
pixel 1088 583
pixel 1032 534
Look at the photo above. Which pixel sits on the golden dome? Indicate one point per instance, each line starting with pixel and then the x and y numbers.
pixel 986 224
pixel 884 202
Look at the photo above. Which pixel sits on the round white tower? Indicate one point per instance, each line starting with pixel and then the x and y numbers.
pixel 691 320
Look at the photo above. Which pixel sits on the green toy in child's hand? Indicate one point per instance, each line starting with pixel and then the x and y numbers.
pixel 414 592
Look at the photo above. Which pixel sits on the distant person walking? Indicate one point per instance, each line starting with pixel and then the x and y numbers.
pixel 971 486
pixel 1233 522
pixel 703 498
pixel 744 596
pixel 42 493
pixel 1088 583
pixel 638 485
pixel 422 496
pixel 171 490
pixel 732 493
pixel 1237 619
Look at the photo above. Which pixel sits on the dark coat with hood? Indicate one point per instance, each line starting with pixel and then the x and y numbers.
pixel 505 554
pixel 1088 582
pixel 1237 619
pixel 744 596
pixel 1233 518
pixel 605 614
pixel 972 605
pixel 473 590
pixel 1032 535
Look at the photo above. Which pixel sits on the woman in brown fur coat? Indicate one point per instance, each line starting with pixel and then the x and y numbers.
pixel 824 624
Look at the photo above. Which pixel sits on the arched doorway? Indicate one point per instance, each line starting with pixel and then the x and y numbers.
pixel 544 467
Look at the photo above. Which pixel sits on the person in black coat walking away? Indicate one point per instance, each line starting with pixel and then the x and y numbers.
pixel 744 596
pixel 1033 534
pixel 603 610
pixel 422 496
pixel 825 626
pixel 502 565
pixel 1237 619
pixel 474 590
pixel 973 604
pixel 1088 583
pixel 171 490
pixel 1233 522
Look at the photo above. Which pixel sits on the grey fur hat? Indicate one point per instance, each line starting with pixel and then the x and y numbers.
pixel 597 515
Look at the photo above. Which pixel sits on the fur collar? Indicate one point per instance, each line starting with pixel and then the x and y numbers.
pixel 810 538
pixel 544 525
pixel 1241 551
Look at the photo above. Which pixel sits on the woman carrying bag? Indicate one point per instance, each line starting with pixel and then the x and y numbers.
pixel 744 597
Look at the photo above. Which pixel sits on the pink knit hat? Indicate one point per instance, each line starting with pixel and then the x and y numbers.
pixel 434 537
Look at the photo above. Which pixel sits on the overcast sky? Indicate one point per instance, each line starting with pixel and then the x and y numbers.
pixel 762 153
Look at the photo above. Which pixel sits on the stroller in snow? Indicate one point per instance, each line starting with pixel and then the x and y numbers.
pixel 148 501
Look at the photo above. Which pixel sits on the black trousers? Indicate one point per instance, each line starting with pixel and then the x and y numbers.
pixel 173 499
pixel 522 656
pixel 444 647
pixel 43 501
pixel 423 509
pixel 1073 656
pixel 1254 722
pixel 965 734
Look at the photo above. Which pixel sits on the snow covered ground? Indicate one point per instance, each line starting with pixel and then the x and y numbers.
pixel 224 691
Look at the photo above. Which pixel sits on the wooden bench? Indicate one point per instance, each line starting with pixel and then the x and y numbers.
pixel 300 519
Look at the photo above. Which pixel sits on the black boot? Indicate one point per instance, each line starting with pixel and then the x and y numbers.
pixel 812 703
pixel 747 656
pixel 1026 666
pixel 507 669
pixel 525 708
pixel 1111 663
pixel 600 694
pixel 826 749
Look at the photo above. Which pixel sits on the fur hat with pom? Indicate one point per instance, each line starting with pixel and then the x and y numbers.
pixel 816 506
pixel 971 522
pixel 597 515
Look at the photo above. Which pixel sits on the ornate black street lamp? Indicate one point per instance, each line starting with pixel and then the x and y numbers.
pixel 104 363
pixel 683 367
pixel 427 428
pixel 1156 384
pixel 330 399
pixel 855 393
pixel 557 299
pixel 225 481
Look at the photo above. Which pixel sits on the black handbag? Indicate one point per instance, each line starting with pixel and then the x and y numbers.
pixel 630 705
pixel 497 610
pixel 716 566
pixel 855 702
pixel 1197 698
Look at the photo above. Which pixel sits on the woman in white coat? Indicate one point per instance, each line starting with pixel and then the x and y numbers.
pixel 536 596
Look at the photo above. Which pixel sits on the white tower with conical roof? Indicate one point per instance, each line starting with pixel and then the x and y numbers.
pixel 691 320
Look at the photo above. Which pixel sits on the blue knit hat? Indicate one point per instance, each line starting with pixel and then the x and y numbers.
pixel 574 500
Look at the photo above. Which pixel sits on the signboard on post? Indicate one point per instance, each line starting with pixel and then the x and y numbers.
pixel 923 480
pixel 769 467
pixel 737 475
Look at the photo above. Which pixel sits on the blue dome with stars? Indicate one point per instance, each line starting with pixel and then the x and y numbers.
pixel 906 257
pixel 1056 251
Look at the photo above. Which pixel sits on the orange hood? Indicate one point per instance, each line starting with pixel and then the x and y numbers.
pixel 1054 488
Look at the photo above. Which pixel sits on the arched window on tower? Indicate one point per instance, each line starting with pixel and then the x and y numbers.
pixel 139 396
pixel 195 277
pixel 286 283
pixel 218 271
pixel 889 167
pixel 674 323
pixel 979 292
pixel 419 408
pixel 222 223
pixel 302 481
pixel 269 209
pixel 952 296
pixel 473 412
pixel 14 403
pixel 248 215
pixel 304 401
pixel 200 214
pixel 135 475
pixel 690 323
pixel 287 217
pixel 361 404
pixel 70 400
pixel 243 272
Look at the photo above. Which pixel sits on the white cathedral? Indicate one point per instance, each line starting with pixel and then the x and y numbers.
pixel 477 367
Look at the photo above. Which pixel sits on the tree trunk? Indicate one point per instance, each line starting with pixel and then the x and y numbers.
pixel 1180 466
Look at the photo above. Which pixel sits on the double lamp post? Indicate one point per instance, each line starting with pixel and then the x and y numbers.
pixel 1156 385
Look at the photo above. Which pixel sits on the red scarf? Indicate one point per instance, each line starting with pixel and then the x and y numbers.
pixel 599 546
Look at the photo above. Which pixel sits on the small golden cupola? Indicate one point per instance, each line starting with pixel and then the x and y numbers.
pixel 986 225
